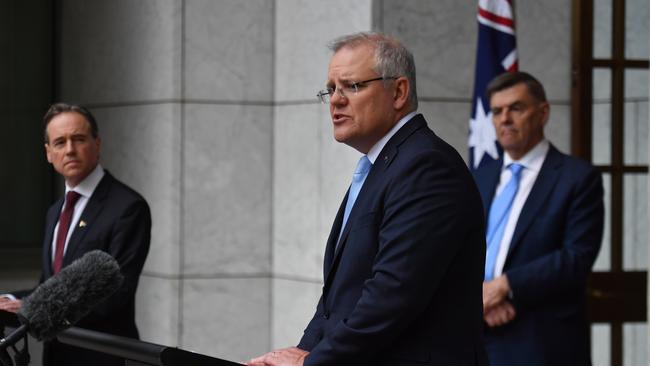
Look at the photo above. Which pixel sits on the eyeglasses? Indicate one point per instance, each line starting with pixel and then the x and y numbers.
pixel 347 89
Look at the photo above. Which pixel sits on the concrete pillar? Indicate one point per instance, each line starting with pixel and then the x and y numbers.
pixel 183 93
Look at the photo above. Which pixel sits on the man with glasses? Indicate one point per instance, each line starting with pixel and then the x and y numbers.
pixel 404 261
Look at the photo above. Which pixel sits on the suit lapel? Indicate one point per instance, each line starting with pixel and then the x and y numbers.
pixel 543 186
pixel 332 239
pixel 332 246
pixel 335 248
pixel 87 218
pixel 377 170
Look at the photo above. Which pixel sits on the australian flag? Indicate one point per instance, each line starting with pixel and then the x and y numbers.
pixel 496 53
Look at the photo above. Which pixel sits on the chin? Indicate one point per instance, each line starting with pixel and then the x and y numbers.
pixel 508 145
pixel 340 137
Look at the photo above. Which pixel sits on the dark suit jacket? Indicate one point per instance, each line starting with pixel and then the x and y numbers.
pixel 555 243
pixel 404 286
pixel 118 221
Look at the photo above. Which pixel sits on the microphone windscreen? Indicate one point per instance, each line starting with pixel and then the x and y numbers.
pixel 68 296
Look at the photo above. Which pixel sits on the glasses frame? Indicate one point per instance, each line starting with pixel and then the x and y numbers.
pixel 325 95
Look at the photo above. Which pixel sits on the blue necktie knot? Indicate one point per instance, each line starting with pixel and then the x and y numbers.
pixel 516 169
pixel 363 167
pixel 498 218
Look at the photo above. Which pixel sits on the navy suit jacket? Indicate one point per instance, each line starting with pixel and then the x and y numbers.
pixel 554 245
pixel 118 222
pixel 404 285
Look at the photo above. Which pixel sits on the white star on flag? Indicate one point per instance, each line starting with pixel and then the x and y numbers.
pixel 482 136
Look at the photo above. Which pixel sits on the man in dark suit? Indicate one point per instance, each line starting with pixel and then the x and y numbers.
pixel 404 261
pixel 97 212
pixel 542 246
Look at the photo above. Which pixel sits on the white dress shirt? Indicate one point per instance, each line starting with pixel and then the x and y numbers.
pixel 85 189
pixel 532 163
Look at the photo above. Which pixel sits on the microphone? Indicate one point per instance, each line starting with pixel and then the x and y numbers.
pixel 66 297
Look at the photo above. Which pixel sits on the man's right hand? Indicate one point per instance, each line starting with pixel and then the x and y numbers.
pixel 7 304
pixel 291 356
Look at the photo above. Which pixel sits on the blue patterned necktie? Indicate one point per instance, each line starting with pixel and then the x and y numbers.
pixel 498 218
pixel 360 174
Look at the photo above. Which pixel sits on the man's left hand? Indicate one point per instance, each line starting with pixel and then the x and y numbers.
pixel 499 315
pixel 495 292
pixel 291 356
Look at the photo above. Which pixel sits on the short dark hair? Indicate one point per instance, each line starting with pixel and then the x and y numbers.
pixel 58 108
pixel 510 79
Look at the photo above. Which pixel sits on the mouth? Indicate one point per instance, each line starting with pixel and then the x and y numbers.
pixel 71 162
pixel 338 118
pixel 508 131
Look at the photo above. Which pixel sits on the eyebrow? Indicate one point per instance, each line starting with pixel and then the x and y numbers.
pixel 80 134
pixel 515 103
pixel 342 81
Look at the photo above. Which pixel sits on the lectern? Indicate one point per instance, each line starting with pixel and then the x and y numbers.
pixel 133 351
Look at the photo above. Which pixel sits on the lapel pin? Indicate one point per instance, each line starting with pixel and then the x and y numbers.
pixel 82 223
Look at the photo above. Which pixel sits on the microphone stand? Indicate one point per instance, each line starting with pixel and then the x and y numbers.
pixel 5 360
pixel 21 356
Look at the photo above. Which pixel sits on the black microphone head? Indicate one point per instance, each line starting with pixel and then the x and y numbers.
pixel 68 296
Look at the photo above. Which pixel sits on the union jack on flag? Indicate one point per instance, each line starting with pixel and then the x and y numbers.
pixel 496 53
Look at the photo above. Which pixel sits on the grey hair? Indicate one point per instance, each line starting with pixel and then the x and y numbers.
pixel 391 57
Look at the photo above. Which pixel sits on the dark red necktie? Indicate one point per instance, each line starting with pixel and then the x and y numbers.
pixel 64 224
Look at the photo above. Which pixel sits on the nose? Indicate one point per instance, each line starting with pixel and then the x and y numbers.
pixel 337 98
pixel 501 117
pixel 69 147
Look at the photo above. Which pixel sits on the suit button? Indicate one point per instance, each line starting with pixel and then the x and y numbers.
pixel 326 316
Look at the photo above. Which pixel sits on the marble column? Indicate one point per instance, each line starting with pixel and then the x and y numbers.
pixel 122 59
pixel 183 92
pixel 226 208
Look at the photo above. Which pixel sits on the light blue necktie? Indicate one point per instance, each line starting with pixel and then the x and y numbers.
pixel 360 174
pixel 498 218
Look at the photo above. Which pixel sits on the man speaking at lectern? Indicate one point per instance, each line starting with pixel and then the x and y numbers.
pixel 97 212
pixel 404 261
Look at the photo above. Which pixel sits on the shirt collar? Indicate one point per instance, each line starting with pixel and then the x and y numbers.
pixel 533 159
pixel 374 151
pixel 88 185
